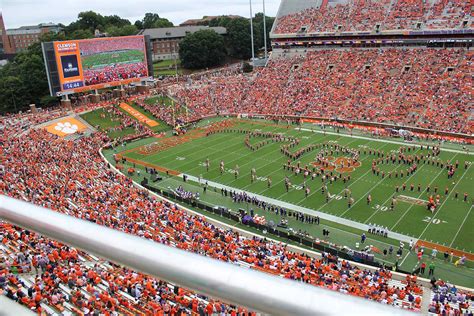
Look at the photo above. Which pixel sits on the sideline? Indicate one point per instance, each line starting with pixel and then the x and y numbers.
pixel 326 216
pixel 425 283
pixel 381 140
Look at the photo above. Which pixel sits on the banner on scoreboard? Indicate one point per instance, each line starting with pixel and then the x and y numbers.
pixel 100 63
pixel 68 59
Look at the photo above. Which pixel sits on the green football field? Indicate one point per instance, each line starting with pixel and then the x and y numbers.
pixel 116 57
pixel 450 226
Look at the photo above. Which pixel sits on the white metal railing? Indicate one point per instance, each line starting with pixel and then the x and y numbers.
pixel 244 287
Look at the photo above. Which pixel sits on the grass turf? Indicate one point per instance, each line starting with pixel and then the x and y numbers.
pixel 448 226
pixel 166 63
pixel 161 127
pixel 159 100
pixel 104 121
pixel 454 215
pixel 108 58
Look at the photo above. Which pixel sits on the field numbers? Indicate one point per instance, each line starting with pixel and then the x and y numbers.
pixel 381 208
pixel 335 197
pixel 435 221
pixel 297 187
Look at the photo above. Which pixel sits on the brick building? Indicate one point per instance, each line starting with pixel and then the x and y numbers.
pixel 165 41
pixel 4 44
pixel 20 38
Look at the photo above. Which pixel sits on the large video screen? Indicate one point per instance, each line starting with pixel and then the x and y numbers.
pixel 99 63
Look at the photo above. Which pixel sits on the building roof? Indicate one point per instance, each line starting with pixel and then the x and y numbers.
pixel 179 31
pixel 35 27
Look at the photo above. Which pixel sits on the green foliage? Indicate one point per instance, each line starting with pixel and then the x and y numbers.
pixel 81 34
pixel 87 20
pixel 121 31
pixel 48 101
pixel 220 21
pixel 246 67
pixel 238 41
pixel 238 38
pixel 258 29
pixel 202 49
pixel 90 21
pixel 23 81
pixel 138 24
pixel 115 20
pixel 12 94
pixel 153 20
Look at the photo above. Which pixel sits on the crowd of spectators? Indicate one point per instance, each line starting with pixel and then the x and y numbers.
pixel 427 88
pixel 99 46
pixel 185 194
pixel 115 72
pixel 70 177
pixel 160 110
pixel 373 15
pixel 447 299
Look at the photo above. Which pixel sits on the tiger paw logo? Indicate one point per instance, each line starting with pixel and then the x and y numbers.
pixel 66 128
pixel 339 164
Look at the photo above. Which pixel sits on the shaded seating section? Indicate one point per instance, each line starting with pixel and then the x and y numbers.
pixel 373 15
pixel 427 88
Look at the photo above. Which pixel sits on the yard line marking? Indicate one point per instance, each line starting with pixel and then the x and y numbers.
pixel 390 197
pixel 176 153
pixel 217 139
pixel 271 173
pixel 439 173
pixel 385 141
pixel 316 190
pixel 406 256
pixel 447 197
pixel 301 209
pixel 202 148
pixel 462 224
pixel 273 161
pixel 231 153
pixel 371 189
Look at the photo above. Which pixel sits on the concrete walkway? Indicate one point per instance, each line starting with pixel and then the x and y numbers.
pixel 425 300
pixel 289 206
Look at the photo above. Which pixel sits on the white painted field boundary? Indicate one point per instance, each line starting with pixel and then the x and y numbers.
pixel 462 224
pixel 289 206
pixel 381 140
pixel 395 275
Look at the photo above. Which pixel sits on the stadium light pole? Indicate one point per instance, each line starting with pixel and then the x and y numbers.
pixel 265 31
pixel 251 31
pixel 175 63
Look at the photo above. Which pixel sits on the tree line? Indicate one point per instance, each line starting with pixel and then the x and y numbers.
pixel 23 80
pixel 206 48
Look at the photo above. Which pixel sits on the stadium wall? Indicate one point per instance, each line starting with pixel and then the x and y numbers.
pixel 456 137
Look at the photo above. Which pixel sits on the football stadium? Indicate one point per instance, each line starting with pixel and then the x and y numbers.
pixel 333 177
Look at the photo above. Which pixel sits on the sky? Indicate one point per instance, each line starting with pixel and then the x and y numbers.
pixel 17 13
